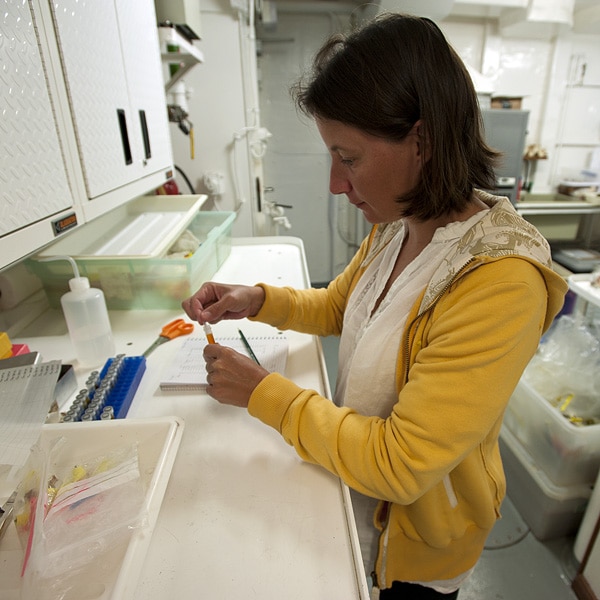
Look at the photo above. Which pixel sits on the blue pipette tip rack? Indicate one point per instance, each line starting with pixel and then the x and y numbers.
pixel 113 390
pixel 126 385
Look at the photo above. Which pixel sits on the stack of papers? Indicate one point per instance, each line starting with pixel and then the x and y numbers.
pixel 188 369
pixel 26 394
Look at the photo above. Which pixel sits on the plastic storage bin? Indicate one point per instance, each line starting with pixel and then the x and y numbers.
pixel 146 282
pixel 144 227
pixel 549 510
pixel 567 453
pixel 116 575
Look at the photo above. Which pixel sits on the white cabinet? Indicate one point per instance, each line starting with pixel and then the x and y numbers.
pixel 83 119
pixel 111 61
pixel 35 196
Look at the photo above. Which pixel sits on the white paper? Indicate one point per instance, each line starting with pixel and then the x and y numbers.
pixel 26 394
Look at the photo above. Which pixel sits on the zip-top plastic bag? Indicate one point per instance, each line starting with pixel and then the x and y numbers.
pixel 72 517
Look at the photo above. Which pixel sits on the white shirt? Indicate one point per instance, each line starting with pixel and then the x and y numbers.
pixel 369 348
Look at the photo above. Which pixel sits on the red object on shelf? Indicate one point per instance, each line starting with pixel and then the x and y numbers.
pixel 18 349
pixel 169 188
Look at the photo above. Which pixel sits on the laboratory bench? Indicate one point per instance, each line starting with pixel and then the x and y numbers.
pixel 242 516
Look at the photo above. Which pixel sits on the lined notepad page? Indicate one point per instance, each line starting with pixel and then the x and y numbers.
pixel 26 394
pixel 188 369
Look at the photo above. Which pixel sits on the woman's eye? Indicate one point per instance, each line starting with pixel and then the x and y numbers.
pixel 347 161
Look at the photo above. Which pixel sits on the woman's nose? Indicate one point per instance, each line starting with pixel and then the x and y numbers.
pixel 338 184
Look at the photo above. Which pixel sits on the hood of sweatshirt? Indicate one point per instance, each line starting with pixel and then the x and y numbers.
pixel 500 233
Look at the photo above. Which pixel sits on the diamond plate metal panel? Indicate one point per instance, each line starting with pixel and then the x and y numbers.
pixel 33 181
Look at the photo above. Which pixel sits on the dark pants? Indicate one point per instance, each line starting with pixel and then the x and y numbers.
pixel 401 590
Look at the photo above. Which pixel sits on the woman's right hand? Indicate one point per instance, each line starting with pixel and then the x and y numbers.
pixel 214 302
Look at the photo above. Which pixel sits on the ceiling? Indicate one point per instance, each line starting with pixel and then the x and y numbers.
pixel 537 18
pixel 494 8
pixel 528 18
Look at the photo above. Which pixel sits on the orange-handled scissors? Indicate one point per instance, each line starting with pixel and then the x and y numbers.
pixel 169 331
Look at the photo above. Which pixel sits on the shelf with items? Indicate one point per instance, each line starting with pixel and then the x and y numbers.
pixel 176 50
pixel 582 286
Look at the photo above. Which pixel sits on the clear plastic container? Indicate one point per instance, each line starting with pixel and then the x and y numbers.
pixel 550 510
pixel 136 283
pixel 567 453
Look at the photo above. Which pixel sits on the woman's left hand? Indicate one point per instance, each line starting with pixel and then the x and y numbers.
pixel 231 376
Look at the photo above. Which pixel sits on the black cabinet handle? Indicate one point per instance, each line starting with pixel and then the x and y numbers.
pixel 124 136
pixel 145 134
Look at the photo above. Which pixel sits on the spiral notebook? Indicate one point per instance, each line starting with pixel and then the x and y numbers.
pixel 188 369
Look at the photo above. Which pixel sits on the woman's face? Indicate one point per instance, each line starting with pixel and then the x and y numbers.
pixel 371 171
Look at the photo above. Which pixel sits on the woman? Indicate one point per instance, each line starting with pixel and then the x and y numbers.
pixel 439 312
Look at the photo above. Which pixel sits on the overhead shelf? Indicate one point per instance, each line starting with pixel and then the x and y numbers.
pixel 187 55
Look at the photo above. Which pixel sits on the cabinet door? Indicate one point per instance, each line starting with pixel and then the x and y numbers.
pixel 105 80
pixel 143 68
pixel 34 186
pixel 88 38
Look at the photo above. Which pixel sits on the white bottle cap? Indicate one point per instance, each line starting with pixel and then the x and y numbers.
pixel 78 284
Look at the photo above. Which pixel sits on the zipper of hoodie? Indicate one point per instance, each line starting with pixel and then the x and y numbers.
pixel 382 548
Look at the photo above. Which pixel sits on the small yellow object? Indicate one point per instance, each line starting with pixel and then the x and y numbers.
pixel 78 473
pixel 51 493
pixel 105 465
pixel 5 345
pixel 22 520
pixel 565 403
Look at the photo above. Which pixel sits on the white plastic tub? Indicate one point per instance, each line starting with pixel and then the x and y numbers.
pixel 567 453
pixel 116 578
pixel 549 510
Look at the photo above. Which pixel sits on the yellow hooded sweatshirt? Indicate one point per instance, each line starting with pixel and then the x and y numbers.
pixel 434 462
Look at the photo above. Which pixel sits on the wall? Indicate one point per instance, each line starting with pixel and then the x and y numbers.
pixel 296 164
pixel 564 118
pixel 221 102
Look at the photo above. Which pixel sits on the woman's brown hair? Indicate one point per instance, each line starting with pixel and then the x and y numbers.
pixel 382 79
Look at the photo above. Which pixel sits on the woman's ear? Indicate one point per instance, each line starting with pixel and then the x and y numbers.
pixel 421 139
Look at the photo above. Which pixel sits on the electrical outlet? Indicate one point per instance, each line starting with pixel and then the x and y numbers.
pixel 214 182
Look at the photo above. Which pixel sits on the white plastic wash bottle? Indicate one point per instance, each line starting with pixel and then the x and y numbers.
pixel 87 319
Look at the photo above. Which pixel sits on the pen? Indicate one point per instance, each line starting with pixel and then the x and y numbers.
pixel 209 334
pixel 248 347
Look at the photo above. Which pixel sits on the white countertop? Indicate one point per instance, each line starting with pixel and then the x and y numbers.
pixel 242 515
pixel 556 204
pixel 582 285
